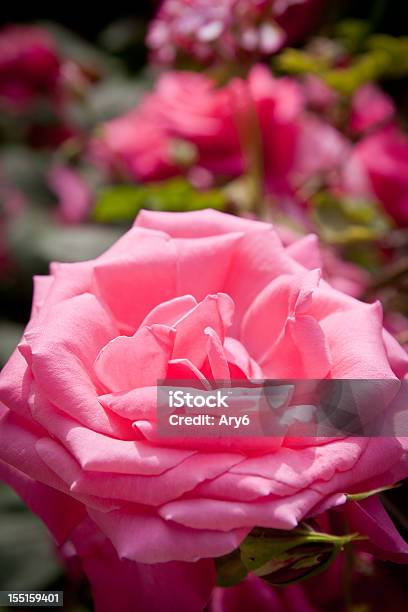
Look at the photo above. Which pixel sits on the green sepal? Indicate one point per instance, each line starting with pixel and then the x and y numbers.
pixel 230 569
pixel 365 494
pixel 285 557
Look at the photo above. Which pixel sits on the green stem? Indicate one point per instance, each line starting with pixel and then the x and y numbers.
pixel 251 144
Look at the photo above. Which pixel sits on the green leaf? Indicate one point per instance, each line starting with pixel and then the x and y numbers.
pixel 295 61
pixel 118 203
pixel 123 202
pixel 364 69
pixel 378 56
pixel 342 221
pixel 396 51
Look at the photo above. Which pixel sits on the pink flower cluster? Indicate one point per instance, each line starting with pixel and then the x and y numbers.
pixel 229 29
pixel 219 123
pixel 35 76
pixel 297 147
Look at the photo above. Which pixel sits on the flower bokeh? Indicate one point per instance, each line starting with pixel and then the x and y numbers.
pixel 30 66
pixel 231 30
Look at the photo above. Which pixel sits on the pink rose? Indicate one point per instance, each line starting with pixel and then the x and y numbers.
pixel 319 95
pixel 228 30
pixel 184 106
pixel 198 295
pixel 378 167
pixel 222 124
pixel 29 66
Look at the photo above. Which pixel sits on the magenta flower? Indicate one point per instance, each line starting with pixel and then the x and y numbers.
pixel 378 168
pixel 73 193
pixel 370 109
pixel 29 66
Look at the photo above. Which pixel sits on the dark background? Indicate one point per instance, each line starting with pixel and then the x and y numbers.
pixel 390 15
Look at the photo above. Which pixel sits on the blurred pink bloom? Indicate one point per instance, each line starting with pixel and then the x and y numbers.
pixel 74 194
pixel 321 149
pixel 29 66
pixel 371 108
pixel 378 167
pixel 318 95
pixel 229 29
pixel 222 126
pixel 184 106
